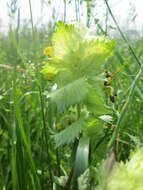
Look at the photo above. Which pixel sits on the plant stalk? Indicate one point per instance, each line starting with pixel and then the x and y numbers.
pixel 73 155
pixel 40 93
pixel 121 33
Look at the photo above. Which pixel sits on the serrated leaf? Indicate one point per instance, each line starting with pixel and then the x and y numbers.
pixel 69 134
pixel 84 180
pixel 69 95
pixel 128 175
pixel 95 101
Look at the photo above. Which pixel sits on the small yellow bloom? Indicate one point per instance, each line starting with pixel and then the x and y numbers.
pixel 48 51
pixel 49 72
pixel 58 127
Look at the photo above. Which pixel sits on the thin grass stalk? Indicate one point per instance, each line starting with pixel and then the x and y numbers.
pixel 13 162
pixel 14 151
pixel 32 181
pixel 123 36
pixel 120 58
pixel 79 10
pixel 42 160
pixel 20 161
pixel 34 46
pixel 138 89
pixel 19 146
pixel 11 135
pixel 45 132
pixel 40 94
pixel 76 10
pixel 88 14
pixel 21 128
pixel 17 112
pixel 73 156
pixel 133 86
pixel 14 139
pixel 51 114
pixel 65 10
pixel 106 22
pixel 58 162
pixel 124 109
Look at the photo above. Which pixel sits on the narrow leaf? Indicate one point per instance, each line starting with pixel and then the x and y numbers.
pixel 82 155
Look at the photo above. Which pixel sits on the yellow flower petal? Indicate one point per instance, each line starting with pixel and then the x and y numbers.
pixel 48 51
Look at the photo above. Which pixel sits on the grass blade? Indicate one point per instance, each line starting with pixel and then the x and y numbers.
pixel 124 109
pixel 23 135
pixel 123 36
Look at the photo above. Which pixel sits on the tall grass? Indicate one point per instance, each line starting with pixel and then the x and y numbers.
pixel 39 84
pixel 133 85
pixel 18 156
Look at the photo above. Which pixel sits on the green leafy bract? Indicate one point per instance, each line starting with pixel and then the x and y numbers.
pixel 70 94
pixel 129 175
pixel 69 134
pixel 76 56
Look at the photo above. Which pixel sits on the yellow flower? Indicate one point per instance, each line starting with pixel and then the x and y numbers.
pixel 58 127
pixel 48 51
pixel 49 72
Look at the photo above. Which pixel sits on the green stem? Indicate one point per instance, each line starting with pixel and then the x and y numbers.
pixel 46 138
pixel 58 162
pixel 31 19
pixel 79 10
pixel 76 10
pixel 73 155
pixel 106 22
pixel 78 112
pixel 121 33
pixel 40 93
pixel 21 128
pixel 88 14
pixel 65 10
pixel 18 117
pixel 120 58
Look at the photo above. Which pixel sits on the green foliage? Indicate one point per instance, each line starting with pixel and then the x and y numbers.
pixel 82 156
pixel 69 134
pixel 94 130
pixel 70 94
pixel 77 59
pixel 110 175
pixel 87 180
pixel 78 53
pixel 128 175
pixel 95 101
